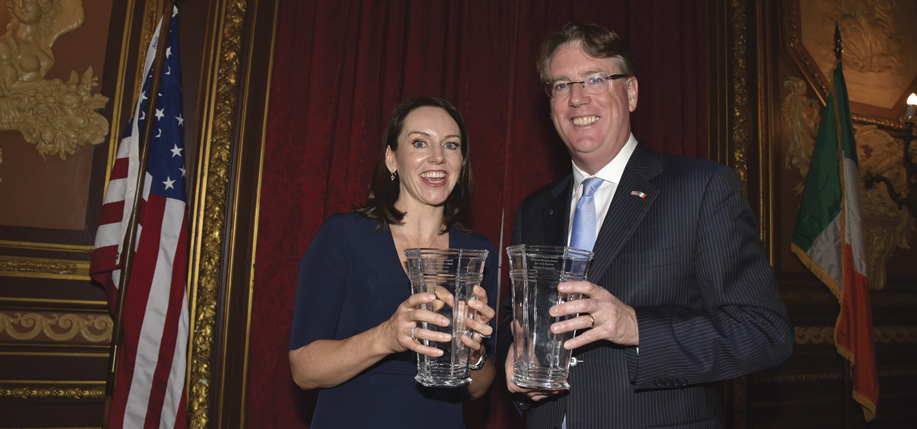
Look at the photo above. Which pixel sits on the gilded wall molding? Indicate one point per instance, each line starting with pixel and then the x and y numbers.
pixel 881 334
pixel 814 334
pixel 59 327
pixel 151 16
pixel 33 392
pixel 213 217
pixel 797 378
pixel 740 92
pixel 894 299
pixel 16 266
pixel 896 334
pixel 827 297
pixel 824 376
pixel 45 246
pixel 795 43
pixel 809 297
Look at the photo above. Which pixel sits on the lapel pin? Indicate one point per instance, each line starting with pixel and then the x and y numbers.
pixel 638 193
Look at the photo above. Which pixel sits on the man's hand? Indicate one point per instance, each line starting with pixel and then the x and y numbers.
pixel 533 394
pixel 602 317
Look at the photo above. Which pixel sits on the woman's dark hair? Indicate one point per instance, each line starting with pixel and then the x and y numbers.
pixel 383 191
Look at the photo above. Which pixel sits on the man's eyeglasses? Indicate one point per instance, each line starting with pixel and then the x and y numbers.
pixel 594 84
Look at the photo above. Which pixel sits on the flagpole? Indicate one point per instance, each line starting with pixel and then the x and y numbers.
pixel 847 388
pixel 127 252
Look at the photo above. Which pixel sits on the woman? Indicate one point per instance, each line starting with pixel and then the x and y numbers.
pixel 25 49
pixel 354 332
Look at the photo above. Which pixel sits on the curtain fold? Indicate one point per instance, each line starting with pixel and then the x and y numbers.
pixel 342 67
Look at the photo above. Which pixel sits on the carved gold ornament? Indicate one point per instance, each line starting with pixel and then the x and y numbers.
pixel 55 327
pixel 814 334
pixel 881 334
pixel 886 227
pixel 34 392
pixel 212 241
pixel 823 376
pixel 740 93
pixel 15 266
pixel 55 116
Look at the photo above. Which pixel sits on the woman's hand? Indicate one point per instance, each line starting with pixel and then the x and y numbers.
pixel 403 333
pixel 480 326
pixel 328 363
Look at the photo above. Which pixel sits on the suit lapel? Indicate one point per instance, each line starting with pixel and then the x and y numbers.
pixel 626 210
pixel 557 213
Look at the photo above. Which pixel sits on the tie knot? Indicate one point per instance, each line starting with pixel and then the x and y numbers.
pixel 590 185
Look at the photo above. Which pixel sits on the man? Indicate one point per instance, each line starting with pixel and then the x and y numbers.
pixel 680 293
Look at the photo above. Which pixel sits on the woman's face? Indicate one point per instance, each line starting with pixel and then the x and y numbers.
pixel 428 159
pixel 27 11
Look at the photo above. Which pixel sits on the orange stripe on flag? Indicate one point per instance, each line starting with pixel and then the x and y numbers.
pixel 853 337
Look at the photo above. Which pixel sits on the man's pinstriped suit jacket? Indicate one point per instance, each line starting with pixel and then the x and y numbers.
pixel 687 256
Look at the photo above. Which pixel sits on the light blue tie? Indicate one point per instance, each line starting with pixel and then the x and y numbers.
pixel 584 221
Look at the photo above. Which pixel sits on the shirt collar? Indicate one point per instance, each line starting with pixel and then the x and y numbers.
pixel 612 171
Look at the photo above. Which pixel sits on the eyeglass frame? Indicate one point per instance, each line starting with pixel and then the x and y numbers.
pixel 549 86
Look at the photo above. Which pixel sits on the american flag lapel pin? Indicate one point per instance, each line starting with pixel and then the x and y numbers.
pixel 638 193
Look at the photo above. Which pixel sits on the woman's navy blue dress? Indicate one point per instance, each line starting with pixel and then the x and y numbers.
pixel 350 280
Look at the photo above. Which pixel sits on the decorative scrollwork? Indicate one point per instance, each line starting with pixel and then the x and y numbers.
pixel 809 297
pixel 823 376
pixel 56 327
pixel 740 91
pixel 796 378
pixel 881 334
pixel 898 373
pixel 214 203
pixel 814 335
pixel 896 334
pixel 40 266
pixel 52 392
pixel 894 299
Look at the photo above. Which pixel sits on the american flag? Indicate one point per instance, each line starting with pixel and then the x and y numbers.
pixel 150 383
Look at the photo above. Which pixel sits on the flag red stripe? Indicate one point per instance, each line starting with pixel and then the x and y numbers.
pixel 138 294
pixel 169 333
pixel 854 333
pixel 120 169
pixel 103 263
pixel 181 422
pixel 111 213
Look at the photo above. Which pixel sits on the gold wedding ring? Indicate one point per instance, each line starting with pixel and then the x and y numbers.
pixel 592 319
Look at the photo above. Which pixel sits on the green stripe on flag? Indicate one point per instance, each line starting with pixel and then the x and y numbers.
pixel 846 124
pixel 821 199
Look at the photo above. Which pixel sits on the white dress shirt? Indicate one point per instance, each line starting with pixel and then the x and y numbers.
pixel 611 175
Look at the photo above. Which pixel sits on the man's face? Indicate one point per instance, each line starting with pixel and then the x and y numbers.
pixel 594 127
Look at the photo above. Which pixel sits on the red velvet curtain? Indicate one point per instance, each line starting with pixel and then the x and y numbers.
pixel 340 69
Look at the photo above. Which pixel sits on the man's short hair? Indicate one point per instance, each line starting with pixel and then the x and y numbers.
pixel 596 41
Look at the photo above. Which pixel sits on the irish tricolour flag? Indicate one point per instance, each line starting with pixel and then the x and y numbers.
pixel 829 239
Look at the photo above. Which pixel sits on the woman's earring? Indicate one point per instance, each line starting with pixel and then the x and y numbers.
pixel 393 176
